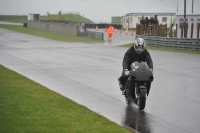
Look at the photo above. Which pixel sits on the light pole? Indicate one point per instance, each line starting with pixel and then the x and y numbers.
pixel 184 18
pixel 192 5
pixel 176 6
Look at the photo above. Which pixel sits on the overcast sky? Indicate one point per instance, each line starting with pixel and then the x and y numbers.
pixel 96 10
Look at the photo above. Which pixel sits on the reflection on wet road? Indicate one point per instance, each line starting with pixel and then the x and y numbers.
pixel 136 119
pixel 87 74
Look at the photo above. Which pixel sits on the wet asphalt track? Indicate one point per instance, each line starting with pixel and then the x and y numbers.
pixel 87 74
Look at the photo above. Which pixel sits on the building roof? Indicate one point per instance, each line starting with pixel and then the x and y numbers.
pixel 150 13
pixel 188 15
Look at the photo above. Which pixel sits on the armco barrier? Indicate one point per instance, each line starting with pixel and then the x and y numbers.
pixel 97 35
pixel 92 34
pixel 172 42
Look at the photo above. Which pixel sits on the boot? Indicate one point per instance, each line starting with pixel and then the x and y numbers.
pixel 122 88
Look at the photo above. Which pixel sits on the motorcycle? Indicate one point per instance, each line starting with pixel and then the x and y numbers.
pixel 136 87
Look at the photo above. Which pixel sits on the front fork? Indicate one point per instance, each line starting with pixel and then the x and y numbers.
pixel 139 86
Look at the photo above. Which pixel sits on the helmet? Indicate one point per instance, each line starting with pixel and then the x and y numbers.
pixel 139 45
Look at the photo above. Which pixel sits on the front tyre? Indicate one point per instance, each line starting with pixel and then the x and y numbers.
pixel 142 99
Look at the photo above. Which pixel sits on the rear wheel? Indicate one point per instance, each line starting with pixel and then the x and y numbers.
pixel 142 99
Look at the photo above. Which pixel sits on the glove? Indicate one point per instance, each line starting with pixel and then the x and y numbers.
pixel 152 70
pixel 126 72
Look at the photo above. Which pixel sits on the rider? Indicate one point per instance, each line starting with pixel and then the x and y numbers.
pixel 137 52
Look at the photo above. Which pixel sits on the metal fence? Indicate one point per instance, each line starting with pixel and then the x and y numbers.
pixel 153 30
pixel 162 30
pixel 172 42
pixel 92 34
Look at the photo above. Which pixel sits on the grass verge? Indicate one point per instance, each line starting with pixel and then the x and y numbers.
pixel 15 21
pixel 26 106
pixel 14 18
pixel 149 47
pixel 49 35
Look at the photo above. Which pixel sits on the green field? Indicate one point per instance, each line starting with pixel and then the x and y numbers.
pixel 49 35
pixel 74 18
pixel 27 107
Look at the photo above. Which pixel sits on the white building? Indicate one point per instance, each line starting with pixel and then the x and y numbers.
pixel 131 19
pixel 190 19
pixel 32 16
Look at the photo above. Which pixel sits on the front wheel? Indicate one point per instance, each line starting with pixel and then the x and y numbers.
pixel 142 99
